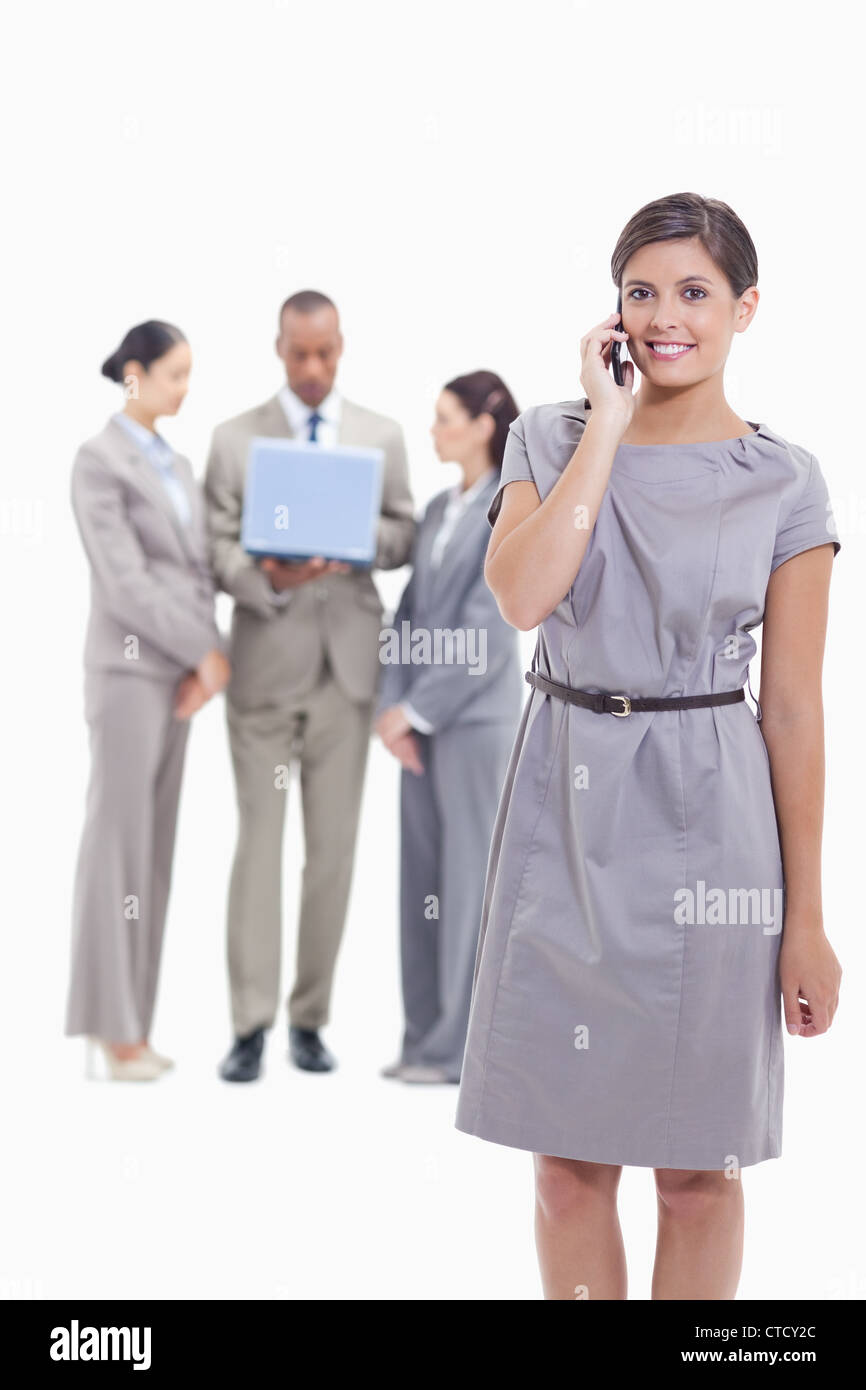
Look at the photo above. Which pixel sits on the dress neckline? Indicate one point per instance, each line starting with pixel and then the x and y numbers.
pixel 700 443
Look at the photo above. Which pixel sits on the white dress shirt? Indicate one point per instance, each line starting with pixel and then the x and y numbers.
pixel 160 454
pixel 458 500
pixel 298 414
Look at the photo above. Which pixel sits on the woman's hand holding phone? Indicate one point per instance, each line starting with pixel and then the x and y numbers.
pixel 602 392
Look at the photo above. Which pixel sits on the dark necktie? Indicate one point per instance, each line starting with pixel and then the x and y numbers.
pixel 314 420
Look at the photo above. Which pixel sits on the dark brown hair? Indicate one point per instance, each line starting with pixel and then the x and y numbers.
pixel 144 343
pixel 486 393
pixel 717 227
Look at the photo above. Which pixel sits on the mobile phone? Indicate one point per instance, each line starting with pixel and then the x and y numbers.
pixel 616 347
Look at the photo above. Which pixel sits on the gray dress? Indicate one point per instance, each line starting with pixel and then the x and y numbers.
pixel 626 1002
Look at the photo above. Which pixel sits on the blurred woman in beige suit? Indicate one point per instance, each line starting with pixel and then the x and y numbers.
pixel 153 656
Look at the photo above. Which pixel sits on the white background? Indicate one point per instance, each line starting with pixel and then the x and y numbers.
pixel 455 176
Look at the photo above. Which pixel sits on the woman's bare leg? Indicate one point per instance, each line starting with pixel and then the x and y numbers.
pixel 699 1252
pixel 577 1232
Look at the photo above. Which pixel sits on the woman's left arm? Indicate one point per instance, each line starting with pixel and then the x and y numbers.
pixel 792 724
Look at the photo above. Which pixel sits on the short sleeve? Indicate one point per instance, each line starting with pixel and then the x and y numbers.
pixel 809 522
pixel 515 465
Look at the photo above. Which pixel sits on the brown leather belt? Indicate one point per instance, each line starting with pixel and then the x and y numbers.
pixel 620 705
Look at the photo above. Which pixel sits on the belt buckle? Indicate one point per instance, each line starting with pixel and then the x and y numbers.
pixel 621 713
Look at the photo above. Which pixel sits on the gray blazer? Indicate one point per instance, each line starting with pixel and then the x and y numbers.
pixel 276 651
pixel 456 596
pixel 152 595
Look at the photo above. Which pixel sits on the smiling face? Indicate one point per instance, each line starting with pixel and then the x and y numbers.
pixel 680 313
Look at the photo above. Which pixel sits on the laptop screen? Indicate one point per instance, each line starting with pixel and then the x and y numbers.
pixel 303 499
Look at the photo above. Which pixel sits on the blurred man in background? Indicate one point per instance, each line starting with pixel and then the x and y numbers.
pixel 304 652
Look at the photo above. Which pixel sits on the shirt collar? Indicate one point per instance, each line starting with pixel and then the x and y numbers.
pixel 298 413
pixel 458 495
pixel 148 441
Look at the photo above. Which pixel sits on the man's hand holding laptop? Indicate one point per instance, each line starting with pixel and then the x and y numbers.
pixel 288 574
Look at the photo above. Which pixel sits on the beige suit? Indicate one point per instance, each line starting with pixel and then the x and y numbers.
pixel 151 620
pixel 304 681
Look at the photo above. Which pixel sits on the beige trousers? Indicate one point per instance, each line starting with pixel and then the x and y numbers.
pixel 125 857
pixel 329 735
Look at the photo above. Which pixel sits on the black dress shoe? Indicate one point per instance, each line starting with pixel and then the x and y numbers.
pixel 244 1061
pixel 308 1051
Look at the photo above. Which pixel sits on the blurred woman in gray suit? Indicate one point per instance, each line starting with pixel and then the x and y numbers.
pixel 153 656
pixel 448 707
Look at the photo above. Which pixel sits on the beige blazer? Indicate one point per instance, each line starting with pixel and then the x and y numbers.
pixel 276 651
pixel 152 594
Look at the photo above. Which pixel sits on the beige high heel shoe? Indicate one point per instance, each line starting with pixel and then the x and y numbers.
pixel 165 1062
pixel 103 1065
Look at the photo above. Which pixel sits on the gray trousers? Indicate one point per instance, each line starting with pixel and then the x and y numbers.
pixel 329 734
pixel 124 864
pixel 447 817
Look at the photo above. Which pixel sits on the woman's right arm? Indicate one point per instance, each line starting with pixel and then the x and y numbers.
pixel 127 586
pixel 536 548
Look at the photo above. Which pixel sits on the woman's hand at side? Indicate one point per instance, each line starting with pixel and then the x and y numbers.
pixel 189 697
pixel 213 672
pixel 810 977
pixel 197 687
pixel 398 736
pixel 391 724
pixel 405 750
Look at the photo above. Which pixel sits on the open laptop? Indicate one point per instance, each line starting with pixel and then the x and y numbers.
pixel 303 499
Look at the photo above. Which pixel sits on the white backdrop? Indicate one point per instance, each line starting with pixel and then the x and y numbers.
pixel 455 177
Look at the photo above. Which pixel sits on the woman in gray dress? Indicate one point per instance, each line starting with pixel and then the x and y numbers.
pixel 448 708
pixel 654 877
pixel 153 656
